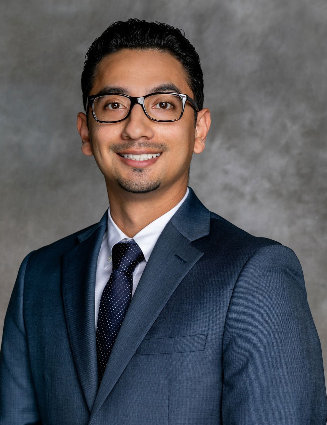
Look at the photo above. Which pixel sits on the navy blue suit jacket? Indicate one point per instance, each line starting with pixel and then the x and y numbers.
pixel 218 332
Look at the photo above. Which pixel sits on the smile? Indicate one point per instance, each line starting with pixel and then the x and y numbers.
pixel 141 157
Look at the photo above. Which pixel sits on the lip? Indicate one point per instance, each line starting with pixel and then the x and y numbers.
pixel 136 163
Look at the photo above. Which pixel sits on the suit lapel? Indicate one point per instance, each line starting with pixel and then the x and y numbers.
pixel 79 271
pixel 171 259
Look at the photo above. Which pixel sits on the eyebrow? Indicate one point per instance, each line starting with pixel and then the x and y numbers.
pixel 111 90
pixel 167 87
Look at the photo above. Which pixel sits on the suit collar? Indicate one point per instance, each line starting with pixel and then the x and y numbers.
pixel 88 232
pixel 145 238
pixel 192 219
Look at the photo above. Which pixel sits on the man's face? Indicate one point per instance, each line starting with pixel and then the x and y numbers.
pixel 137 73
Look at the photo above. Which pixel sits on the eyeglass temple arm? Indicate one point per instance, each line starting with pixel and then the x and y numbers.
pixel 192 103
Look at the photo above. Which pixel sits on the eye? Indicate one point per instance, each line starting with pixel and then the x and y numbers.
pixel 113 106
pixel 164 105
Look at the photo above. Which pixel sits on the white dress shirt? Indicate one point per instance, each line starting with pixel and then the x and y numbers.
pixel 146 240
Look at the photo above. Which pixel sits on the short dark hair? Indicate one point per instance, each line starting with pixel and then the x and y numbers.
pixel 140 34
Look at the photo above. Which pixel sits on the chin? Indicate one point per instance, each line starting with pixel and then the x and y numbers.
pixel 138 187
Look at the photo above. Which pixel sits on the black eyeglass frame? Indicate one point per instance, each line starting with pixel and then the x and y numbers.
pixel 140 101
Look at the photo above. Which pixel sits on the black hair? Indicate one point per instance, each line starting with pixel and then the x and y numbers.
pixel 140 34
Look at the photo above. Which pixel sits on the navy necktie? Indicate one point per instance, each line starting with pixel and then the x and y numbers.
pixel 116 298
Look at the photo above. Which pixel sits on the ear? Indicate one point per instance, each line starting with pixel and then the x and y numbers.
pixel 83 131
pixel 202 126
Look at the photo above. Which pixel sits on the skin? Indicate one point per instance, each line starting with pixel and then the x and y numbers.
pixel 141 191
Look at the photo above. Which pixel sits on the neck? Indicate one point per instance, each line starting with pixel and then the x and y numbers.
pixel 133 211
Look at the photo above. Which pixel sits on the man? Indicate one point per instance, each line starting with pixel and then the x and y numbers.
pixel 163 312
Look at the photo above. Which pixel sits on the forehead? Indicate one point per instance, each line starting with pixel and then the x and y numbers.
pixel 139 71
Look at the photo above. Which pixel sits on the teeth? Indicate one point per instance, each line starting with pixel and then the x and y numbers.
pixel 142 157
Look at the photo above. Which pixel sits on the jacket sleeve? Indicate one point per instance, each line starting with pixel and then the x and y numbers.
pixel 273 370
pixel 17 397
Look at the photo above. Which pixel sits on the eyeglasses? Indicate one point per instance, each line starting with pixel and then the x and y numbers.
pixel 159 107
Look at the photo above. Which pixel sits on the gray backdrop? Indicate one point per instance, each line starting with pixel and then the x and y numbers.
pixel 264 167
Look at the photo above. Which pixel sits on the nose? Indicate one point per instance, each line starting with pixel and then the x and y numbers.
pixel 137 125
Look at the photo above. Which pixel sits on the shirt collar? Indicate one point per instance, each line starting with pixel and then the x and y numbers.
pixel 145 238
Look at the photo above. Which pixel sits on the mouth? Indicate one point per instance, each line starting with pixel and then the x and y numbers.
pixel 140 157
pixel 139 160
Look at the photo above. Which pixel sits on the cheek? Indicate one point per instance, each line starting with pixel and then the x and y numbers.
pixel 185 142
pixel 99 133
pixel 179 137
pixel 103 136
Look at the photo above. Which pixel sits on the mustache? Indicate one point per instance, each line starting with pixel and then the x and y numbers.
pixel 117 147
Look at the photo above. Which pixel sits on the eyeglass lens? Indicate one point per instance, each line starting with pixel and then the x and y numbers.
pixel 160 107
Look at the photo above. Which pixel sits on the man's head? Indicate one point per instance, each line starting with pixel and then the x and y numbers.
pixel 137 34
pixel 140 99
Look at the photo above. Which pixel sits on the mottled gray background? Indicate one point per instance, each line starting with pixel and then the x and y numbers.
pixel 265 164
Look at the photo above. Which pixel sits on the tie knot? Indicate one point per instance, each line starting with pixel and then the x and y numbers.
pixel 126 256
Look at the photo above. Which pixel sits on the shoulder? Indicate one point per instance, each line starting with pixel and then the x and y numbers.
pixel 211 232
pixel 238 246
pixel 267 279
pixel 234 235
pixel 54 251
pixel 261 253
pixel 223 243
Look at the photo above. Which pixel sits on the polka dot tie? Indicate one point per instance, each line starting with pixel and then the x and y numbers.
pixel 116 298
